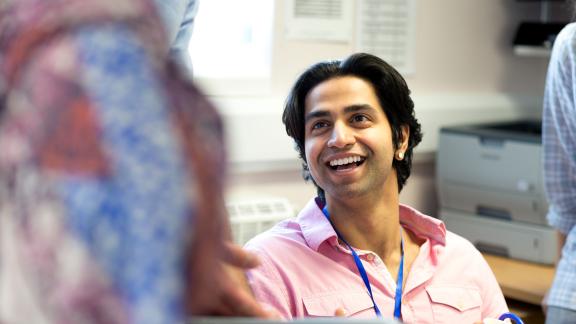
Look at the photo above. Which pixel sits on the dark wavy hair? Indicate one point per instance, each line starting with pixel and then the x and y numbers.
pixel 393 95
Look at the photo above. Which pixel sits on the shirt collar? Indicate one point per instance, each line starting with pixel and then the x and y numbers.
pixel 316 229
pixel 423 225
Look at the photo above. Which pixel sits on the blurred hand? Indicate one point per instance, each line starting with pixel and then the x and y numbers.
pixel 237 298
pixel 222 289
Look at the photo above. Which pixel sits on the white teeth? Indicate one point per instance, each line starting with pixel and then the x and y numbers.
pixel 348 160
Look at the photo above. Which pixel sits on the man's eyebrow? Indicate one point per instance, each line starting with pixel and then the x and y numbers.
pixel 347 110
pixel 315 114
pixel 359 107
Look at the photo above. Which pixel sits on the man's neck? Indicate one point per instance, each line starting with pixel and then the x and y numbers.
pixel 368 223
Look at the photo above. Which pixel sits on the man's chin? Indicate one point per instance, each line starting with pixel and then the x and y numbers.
pixel 346 191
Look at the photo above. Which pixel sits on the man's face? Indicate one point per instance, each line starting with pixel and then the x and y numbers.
pixel 348 140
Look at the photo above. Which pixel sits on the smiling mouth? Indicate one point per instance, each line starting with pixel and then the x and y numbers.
pixel 346 163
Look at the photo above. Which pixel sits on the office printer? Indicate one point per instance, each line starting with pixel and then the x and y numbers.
pixel 491 190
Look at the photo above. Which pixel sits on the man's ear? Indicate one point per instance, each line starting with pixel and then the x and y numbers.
pixel 404 137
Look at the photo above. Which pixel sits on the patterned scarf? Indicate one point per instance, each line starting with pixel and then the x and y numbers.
pixel 111 201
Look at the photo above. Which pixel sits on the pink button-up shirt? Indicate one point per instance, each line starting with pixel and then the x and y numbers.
pixel 306 272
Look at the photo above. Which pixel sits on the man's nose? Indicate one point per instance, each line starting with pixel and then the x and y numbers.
pixel 341 136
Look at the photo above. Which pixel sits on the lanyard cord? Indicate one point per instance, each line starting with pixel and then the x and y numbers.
pixel 364 275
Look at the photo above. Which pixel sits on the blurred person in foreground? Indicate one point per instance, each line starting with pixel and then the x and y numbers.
pixel 559 147
pixel 354 250
pixel 111 173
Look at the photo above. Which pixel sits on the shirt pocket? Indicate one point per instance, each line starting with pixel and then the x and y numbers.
pixel 455 304
pixel 354 303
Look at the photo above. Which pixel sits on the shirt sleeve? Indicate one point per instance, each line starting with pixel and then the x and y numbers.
pixel 494 303
pixel 559 133
pixel 178 19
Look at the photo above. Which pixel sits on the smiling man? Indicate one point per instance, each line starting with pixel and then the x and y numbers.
pixel 355 250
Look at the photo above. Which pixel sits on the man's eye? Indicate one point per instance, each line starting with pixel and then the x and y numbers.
pixel 319 125
pixel 359 118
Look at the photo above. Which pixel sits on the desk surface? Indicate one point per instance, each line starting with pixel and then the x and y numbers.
pixel 521 280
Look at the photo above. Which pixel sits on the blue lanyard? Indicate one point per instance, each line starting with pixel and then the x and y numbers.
pixel 364 275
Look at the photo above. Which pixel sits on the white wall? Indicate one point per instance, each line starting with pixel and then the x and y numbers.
pixel 465 72
pixel 462 46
